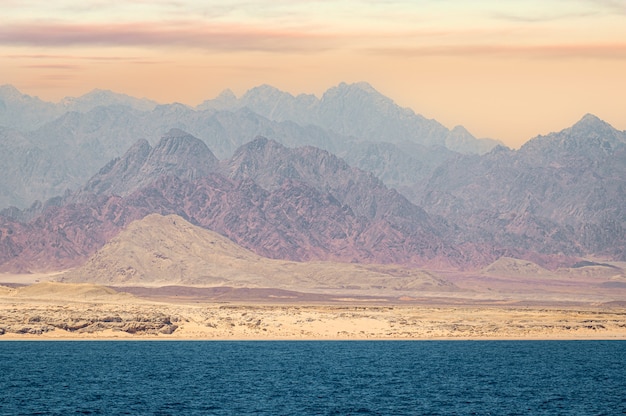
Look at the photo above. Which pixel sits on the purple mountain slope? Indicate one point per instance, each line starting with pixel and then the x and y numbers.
pixel 560 193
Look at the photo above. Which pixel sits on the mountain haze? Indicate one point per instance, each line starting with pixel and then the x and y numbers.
pixel 78 135
pixel 561 193
pixel 26 113
pixel 353 110
pixel 350 177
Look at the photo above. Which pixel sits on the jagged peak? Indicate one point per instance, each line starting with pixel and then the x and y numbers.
pixel 262 142
pixel 590 129
pixel 176 141
pixel 590 120
pixel 365 86
pixel 11 92
pixel 175 132
pixel 345 88
pixel 227 94
pixel 8 89
pixel 183 154
pixel 101 92
pixel 264 90
pixel 140 148
pixel 460 131
pixel 361 85
pixel 499 148
pixel 175 106
pixel 140 144
pixel 260 145
pixel 591 126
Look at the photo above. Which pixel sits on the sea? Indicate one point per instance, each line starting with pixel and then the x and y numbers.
pixel 313 377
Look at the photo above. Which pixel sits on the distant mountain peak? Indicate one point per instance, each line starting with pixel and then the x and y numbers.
pixel 8 90
pixel 178 153
pixel 591 121
pixel 179 142
pixel 361 85
pixel 259 144
pixel 591 127
pixel 264 90
pixel 460 130
pixel 590 118
pixel 175 132
pixel 227 94
pixel 358 87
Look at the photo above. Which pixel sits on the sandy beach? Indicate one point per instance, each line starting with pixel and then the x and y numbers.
pixel 49 311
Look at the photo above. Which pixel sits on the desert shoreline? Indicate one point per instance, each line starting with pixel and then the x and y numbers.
pixel 63 311
pixel 158 322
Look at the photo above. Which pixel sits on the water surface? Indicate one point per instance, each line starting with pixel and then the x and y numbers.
pixel 313 378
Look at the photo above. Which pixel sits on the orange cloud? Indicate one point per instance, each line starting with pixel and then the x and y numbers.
pixel 602 51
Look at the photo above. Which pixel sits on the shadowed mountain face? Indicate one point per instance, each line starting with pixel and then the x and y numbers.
pixel 178 154
pixel 297 204
pixel 563 192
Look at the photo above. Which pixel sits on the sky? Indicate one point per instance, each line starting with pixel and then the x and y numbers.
pixel 505 69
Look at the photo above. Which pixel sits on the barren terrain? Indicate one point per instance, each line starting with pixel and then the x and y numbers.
pixel 87 311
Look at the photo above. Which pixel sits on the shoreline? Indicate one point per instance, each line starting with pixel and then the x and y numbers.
pixel 149 321
pixel 63 311
pixel 151 339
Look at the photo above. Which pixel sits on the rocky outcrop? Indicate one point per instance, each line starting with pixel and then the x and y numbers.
pixel 78 322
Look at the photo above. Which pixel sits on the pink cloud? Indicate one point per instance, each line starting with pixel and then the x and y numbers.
pixel 152 34
pixel 52 66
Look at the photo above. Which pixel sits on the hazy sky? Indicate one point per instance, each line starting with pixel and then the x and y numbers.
pixel 507 69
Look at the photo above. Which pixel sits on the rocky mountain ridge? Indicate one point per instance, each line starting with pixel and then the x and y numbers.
pixel 68 141
pixel 296 204
pixel 563 191
pixel 26 113
pixel 306 204
pixel 354 110
pixel 557 200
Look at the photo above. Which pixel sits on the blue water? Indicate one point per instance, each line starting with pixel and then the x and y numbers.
pixel 313 378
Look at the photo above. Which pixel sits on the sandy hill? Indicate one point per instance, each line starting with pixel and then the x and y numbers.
pixel 167 250
pixel 508 266
pixel 522 269
pixel 66 291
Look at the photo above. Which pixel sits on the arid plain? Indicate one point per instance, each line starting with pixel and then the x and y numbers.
pixel 85 311
pixel 160 295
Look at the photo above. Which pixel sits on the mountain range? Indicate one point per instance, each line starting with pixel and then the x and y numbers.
pixel 50 147
pixel 287 195
pixel 290 203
